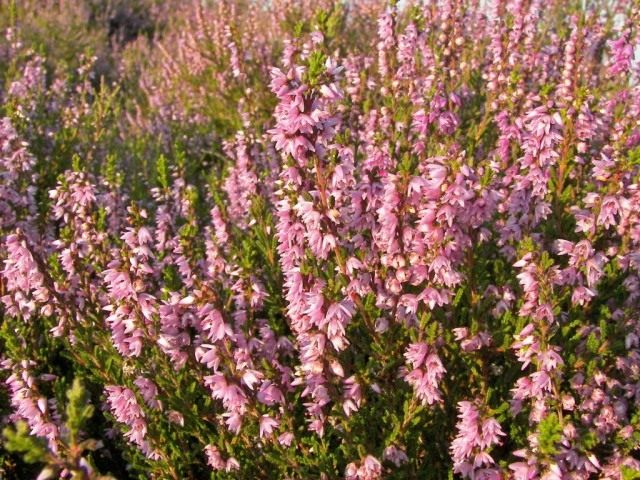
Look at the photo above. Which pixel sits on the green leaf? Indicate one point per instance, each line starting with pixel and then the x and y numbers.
pixel 33 449
pixel 79 410
pixel 630 473
pixel 550 433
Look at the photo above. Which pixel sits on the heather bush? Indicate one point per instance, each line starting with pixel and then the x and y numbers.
pixel 296 239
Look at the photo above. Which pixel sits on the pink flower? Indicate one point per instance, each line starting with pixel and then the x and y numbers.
pixel 475 437
pixel 232 396
pixel 608 211
pixel 525 470
pixel 267 425
pixel 285 439
pixel 269 394
pixel 118 284
pixel 395 455
pixel 622 54
pixel 126 410
pixel 233 421
pixel 416 354
pixel 149 392
pixel 214 459
pixel 29 405
pixel 370 469
pixel 212 323
pixel 24 281
pixel 352 396
pixel 426 373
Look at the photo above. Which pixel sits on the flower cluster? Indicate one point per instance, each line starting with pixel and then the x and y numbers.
pixel 125 409
pixel 290 238
pixel 476 435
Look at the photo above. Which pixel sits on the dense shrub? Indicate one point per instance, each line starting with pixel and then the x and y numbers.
pixel 325 239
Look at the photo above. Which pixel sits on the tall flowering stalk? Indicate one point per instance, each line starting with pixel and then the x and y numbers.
pixel 324 239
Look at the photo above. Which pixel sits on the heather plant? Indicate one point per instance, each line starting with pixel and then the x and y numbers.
pixel 63 454
pixel 328 239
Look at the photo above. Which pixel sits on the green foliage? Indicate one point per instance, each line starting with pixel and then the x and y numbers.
pixel 139 116
pixel 630 473
pixel 74 448
pixel 79 410
pixel 549 434
pixel 18 440
pixel 316 67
